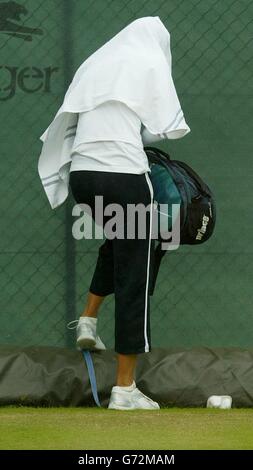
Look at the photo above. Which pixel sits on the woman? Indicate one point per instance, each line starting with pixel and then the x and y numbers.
pixel 121 98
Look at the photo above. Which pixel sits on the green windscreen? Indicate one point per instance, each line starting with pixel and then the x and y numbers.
pixel 204 293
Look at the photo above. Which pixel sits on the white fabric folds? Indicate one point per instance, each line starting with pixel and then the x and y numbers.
pixel 134 67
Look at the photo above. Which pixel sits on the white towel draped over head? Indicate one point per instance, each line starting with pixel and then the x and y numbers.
pixel 134 67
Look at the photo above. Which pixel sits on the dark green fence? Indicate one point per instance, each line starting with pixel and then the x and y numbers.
pixel 204 294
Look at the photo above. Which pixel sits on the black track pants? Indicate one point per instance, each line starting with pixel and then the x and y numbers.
pixel 124 266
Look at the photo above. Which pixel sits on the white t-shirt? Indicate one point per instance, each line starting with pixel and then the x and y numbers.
pixel 111 138
pixel 108 138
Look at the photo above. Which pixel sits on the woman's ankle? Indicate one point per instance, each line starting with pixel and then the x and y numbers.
pixel 89 314
pixel 124 383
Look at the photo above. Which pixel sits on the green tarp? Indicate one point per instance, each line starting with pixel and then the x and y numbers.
pixel 47 376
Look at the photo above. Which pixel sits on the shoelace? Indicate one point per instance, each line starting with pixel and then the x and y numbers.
pixel 75 322
pixel 72 327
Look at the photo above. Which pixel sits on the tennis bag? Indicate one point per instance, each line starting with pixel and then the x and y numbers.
pixel 174 182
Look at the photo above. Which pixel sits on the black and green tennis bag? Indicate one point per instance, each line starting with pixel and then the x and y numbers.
pixel 175 182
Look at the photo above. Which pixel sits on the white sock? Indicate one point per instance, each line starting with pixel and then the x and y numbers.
pixel 130 388
pixel 88 320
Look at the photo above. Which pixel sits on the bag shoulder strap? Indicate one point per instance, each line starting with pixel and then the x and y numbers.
pixel 203 186
pixel 159 254
pixel 160 153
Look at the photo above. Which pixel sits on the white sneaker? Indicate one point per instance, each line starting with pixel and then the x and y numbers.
pixel 130 398
pixel 87 337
